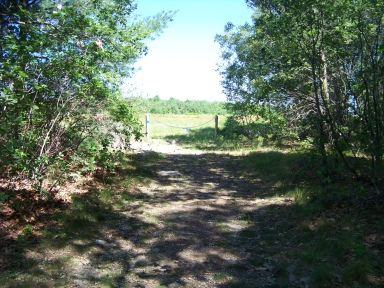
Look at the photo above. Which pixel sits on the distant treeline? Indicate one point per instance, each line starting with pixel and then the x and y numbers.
pixel 156 105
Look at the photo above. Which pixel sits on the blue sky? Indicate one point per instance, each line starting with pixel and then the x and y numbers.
pixel 181 62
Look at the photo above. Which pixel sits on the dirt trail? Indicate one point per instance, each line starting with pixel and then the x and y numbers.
pixel 201 223
pixel 205 221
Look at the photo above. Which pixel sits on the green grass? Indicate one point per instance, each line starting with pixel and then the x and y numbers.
pixel 162 126
pixel 198 131
pixel 195 131
pixel 221 277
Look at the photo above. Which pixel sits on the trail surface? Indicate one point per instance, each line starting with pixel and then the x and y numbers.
pixel 207 225
pixel 200 223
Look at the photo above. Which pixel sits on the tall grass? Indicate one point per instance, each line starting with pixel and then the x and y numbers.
pixel 164 125
pixel 195 131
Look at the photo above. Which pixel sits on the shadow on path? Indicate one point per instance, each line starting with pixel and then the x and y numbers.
pixel 205 221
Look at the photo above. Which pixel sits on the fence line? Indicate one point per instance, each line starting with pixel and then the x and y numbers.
pixel 147 121
pixel 183 127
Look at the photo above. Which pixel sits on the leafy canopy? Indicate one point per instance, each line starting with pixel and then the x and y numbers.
pixel 61 65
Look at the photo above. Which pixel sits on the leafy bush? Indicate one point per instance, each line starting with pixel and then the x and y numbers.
pixel 236 127
pixel 60 73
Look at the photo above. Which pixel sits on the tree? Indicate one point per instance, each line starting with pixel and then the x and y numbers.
pixel 61 67
pixel 323 68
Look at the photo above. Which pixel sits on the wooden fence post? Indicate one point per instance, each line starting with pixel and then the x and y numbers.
pixel 216 125
pixel 147 125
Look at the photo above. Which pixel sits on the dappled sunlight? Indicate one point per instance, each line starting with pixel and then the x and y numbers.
pixel 186 224
pixel 205 220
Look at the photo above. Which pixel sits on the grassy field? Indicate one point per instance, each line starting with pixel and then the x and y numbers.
pixel 194 131
pixel 163 126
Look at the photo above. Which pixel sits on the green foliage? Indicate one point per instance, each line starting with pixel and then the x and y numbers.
pixel 61 66
pixel 320 71
pixel 233 129
pixel 238 127
pixel 3 196
pixel 156 105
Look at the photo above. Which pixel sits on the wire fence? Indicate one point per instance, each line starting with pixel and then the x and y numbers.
pixel 183 127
